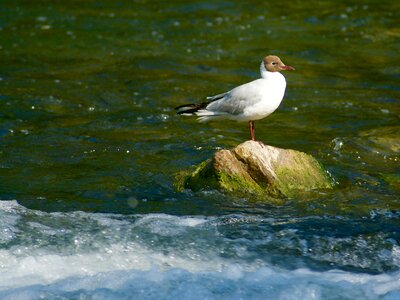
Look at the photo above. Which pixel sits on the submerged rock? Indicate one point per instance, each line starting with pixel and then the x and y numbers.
pixel 260 169
pixel 386 139
pixel 393 180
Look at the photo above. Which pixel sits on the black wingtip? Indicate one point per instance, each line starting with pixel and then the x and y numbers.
pixel 190 108
pixel 185 105
pixel 186 109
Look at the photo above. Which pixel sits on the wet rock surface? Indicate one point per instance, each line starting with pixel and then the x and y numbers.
pixel 253 167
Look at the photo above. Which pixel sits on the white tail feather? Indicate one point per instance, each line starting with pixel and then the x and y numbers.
pixel 204 112
pixel 207 115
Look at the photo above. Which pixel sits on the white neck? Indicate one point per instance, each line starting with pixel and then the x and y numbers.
pixel 267 74
pixel 264 73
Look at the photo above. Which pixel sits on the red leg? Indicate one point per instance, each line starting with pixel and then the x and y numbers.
pixel 253 137
pixel 251 128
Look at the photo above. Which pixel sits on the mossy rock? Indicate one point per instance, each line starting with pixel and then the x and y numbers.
pixel 255 168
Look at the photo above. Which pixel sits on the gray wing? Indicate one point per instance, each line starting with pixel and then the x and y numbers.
pixel 237 100
pixel 216 97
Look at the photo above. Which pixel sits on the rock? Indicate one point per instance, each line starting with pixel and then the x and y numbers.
pixel 259 169
pixel 393 180
pixel 385 139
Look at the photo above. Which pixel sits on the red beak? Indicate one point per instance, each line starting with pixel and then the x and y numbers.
pixel 287 68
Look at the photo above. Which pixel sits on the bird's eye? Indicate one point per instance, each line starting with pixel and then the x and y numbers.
pixel 273 63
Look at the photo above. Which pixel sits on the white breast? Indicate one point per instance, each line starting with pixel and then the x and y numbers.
pixel 270 93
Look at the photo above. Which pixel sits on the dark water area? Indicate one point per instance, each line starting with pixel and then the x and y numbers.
pixel 90 146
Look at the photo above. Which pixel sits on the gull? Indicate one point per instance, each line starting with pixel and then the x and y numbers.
pixel 248 102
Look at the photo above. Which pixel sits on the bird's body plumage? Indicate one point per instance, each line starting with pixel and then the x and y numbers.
pixel 251 101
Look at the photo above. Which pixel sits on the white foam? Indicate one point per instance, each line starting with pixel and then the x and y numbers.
pixel 43 268
pixel 230 283
pixel 23 265
pixel 105 256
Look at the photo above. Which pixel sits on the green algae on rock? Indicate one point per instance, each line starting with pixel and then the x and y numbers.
pixel 253 167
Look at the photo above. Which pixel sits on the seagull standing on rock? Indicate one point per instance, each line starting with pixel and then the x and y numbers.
pixel 247 102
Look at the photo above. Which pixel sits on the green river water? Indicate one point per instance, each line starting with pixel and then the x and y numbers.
pixel 87 120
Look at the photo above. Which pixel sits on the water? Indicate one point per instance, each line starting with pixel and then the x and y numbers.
pixel 110 256
pixel 90 146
